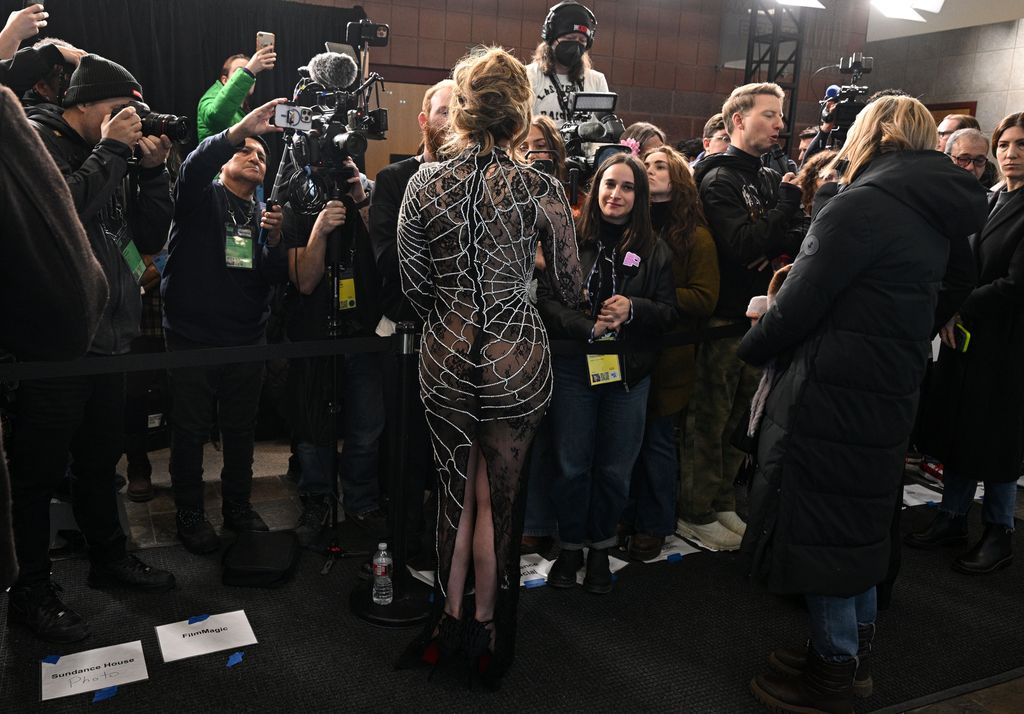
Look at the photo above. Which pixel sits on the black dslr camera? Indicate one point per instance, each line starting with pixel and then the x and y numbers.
pixel 172 126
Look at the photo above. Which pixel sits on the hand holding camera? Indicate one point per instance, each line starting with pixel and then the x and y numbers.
pixel 125 126
pixel 255 123
pixel 25 23
pixel 264 58
pixel 153 151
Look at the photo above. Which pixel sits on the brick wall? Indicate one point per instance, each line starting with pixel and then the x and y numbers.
pixel 661 56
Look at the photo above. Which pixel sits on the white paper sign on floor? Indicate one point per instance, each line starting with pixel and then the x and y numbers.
pixel 92 670
pixel 674 549
pixel 914 494
pixel 202 635
pixel 533 570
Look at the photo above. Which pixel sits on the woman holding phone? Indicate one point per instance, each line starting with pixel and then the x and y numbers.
pixel 599 402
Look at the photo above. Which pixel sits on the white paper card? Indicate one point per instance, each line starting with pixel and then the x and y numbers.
pixel 93 669
pixel 180 640
pixel 673 549
pixel 917 495
pixel 533 570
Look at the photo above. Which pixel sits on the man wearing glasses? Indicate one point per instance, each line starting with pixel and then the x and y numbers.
pixel 968 148
pixel 951 123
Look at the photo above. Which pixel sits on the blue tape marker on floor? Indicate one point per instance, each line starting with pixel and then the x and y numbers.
pixel 674 557
pixel 235 658
pixel 103 694
pixel 197 618
pixel 52 659
pixel 535 583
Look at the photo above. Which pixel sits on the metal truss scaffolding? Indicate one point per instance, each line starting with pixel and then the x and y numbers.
pixel 774 49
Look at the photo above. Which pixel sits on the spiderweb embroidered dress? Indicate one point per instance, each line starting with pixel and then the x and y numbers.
pixel 467 232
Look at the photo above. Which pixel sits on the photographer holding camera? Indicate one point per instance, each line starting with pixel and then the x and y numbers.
pixel 561 63
pixel 91 144
pixel 223 262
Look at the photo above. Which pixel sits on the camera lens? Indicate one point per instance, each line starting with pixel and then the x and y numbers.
pixel 174 127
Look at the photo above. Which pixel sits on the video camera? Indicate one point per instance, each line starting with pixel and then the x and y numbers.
pixel 327 124
pixel 591 121
pixel 842 103
pixel 172 126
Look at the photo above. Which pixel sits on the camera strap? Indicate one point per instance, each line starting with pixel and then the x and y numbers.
pixel 563 96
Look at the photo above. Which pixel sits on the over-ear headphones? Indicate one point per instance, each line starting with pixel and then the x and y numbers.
pixel 566 17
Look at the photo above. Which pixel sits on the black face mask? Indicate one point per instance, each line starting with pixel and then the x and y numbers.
pixel 569 54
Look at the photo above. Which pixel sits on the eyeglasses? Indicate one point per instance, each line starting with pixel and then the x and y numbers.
pixel 964 161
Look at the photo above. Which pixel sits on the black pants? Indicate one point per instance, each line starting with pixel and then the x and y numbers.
pixel 235 390
pixel 83 416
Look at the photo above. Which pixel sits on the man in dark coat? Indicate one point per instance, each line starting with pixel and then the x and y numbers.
pixel 849 333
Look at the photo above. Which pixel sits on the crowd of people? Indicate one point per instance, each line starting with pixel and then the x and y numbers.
pixel 828 281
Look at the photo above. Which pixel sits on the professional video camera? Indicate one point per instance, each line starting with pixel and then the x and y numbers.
pixel 842 103
pixel 173 127
pixel 591 121
pixel 332 114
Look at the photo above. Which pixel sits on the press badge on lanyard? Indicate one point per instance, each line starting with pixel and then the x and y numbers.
pixel 604 369
pixel 346 290
pixel 238 246
pixel 129 252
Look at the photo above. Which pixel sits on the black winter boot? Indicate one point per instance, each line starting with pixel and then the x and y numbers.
pixel 793 660
pixel 39 608
pixel 563 571
pixel 993 552
pixel 599 575
pixel 946 529
pixel 822 687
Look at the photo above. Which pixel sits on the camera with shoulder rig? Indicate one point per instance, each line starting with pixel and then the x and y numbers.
pixel 592 122
pixel 333 114
pixel 842 104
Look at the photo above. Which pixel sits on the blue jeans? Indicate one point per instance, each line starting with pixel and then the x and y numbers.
pixel 834 622
pixel 540 513
pixel 652 504
pixel 997 506
pixel 598 432
pixel 362 397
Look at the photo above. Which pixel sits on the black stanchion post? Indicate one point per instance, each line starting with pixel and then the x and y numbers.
pixel 410 604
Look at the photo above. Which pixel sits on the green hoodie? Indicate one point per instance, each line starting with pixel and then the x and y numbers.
pixel 221 106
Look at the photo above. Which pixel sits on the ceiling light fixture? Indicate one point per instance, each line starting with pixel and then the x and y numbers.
pixel 928 5
pixel 816 4
pixel 897 10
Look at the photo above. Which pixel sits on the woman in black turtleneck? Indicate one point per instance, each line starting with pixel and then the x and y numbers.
pixel 599 401
pixel 679 221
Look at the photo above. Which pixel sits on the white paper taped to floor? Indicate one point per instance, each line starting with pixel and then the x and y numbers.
pixel 674 549
pixel 93 670
pixel 614 565
pixel 914 494
pixel 204 634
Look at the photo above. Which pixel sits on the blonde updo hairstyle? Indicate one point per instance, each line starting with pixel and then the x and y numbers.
pixel 491 102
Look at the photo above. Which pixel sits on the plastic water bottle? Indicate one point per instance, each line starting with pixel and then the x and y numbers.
pixel 383 590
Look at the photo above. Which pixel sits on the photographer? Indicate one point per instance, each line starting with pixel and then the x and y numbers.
pixel 308 241
pixel 60 60
pixel 561 63
pixel 227 100
pixel 84 415
pixel 223 261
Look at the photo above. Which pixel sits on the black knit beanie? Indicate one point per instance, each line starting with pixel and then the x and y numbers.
pixel 97 79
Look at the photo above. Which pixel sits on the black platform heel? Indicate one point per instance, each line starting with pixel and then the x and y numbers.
pixel 477 644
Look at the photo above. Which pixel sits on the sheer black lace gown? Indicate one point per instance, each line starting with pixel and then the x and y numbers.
pixel 467 233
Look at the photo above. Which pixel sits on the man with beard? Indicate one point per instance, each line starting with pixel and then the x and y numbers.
pixel 561 63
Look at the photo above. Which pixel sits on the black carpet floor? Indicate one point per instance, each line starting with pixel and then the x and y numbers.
pixel 684 636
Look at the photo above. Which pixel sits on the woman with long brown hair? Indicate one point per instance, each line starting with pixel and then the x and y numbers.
pixel 467 232
pixel 597 410
pixel 677 218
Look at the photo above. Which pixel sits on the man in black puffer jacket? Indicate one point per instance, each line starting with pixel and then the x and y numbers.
pixel 755 218
pixel 83 416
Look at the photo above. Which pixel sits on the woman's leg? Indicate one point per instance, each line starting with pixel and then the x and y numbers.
pixel 485 566
pixel 464 546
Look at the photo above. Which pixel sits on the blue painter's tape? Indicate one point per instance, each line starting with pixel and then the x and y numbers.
pixel 52 659
pixel 104 694
pixel 197 618
pixel 535 583
pixel 235 658
pixel 674 557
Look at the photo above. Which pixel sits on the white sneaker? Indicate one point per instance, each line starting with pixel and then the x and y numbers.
pixel 713 535
pixel 732 521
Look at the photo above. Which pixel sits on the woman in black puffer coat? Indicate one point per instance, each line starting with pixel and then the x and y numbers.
pixel 849 333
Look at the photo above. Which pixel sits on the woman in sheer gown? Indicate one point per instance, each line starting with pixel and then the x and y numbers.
pixel 467 233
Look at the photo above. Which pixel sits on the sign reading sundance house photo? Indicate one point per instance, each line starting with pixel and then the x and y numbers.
pixel 92 670
pixel 202 635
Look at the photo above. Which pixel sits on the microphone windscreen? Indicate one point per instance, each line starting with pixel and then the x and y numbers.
pixel 832 92
pixel 334 70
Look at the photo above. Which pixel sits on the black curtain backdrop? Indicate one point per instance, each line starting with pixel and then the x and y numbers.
pixel 175 48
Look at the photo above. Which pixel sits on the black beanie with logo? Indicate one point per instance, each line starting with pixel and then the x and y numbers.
pixel 97 79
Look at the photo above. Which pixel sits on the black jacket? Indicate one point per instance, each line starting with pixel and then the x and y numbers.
pixel 850 333
pixel 28 66
pixel 96 177
pixel 975 417
pixel 205 301
pixel 388 193
pixel 651 289
pixel 751 216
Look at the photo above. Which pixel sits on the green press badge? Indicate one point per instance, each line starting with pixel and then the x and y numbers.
pixel 238 247
pixel 133 259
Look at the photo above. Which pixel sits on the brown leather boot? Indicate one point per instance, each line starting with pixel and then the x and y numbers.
pixel 792 660
pixel 823 686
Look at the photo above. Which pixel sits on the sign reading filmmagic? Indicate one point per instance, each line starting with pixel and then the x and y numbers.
pixel 204 634
pixel 92 670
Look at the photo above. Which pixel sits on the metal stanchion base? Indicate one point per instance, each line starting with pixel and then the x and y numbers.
pixel 409 608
